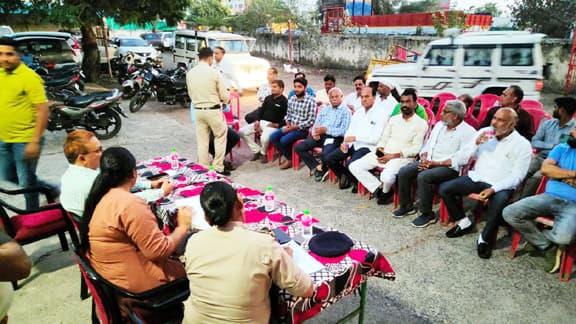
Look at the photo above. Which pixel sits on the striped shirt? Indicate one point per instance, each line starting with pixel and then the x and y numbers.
pixel 301 112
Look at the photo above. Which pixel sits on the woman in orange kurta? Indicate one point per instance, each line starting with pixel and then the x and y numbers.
pixel 120 232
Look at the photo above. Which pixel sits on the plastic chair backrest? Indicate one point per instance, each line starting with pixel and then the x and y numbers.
pixel 481 104
pixel 105 304
pixel 437 102
pixel 537 116
pixel 531 104
pixel 542 185
pixel 424 102
pixel 234 104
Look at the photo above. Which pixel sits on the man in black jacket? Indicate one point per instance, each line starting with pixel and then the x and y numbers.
pixel 270 118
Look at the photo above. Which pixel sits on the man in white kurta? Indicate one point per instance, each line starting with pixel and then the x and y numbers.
pixel 399 144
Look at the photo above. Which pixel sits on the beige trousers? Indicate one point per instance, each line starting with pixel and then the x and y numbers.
pixel 211 121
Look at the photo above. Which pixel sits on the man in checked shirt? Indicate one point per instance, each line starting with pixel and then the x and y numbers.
pixel 299 118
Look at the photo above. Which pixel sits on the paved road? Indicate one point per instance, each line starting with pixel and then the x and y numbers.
pixel 440 280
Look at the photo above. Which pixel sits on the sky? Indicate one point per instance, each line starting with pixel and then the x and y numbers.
pixel 466 4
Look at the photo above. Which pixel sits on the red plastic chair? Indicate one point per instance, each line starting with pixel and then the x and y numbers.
pixel 531 104
pixel 537 116
pixel 438 101
pixel 164 301
pixel 481 105
pixel 423 102
pixel 231 120
pixel 28 226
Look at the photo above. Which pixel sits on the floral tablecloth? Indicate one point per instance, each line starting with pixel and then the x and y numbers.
pixel 340 275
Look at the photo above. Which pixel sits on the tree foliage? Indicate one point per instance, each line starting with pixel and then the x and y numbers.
pixel 260 13
pixel 489 8
pixel 553 18
pixel 418 6
pixel 384 7
pixel 87 14
pixel 207 13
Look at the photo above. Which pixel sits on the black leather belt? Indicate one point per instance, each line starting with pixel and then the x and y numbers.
pixel 208 108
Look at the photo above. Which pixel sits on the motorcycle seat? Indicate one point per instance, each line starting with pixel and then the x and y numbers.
pixel 82 101
pixel 55 83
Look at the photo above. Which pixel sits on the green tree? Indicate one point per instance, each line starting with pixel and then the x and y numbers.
pixel 418 6
pixel 490 8
pixel 260 13
pixel 86 14
pixel 553 18
pixel 207 13
pixel 384 7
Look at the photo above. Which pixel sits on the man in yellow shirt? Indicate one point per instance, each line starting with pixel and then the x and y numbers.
pixel 23 119
pixel 207 90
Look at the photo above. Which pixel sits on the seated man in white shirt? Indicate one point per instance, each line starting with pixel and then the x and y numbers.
pixel 438 163
pixel 366 126
pixel 353 100
pixel 399 144
pixel 502 161
pixel 322 94
pixel 83 151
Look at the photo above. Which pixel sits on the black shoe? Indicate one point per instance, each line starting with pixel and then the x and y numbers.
pixel 457 231
pixel 318 175
pixel 224 173
pixel 424 220
pixel 386 198
pixel 484 250
pixel 228 166
pixel 403 211
pixel 345 183
pixel 325 175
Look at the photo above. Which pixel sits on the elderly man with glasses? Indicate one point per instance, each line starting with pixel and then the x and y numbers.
pixel 437 163
pixel 83 151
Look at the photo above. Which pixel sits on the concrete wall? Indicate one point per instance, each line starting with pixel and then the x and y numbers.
pixel 355 51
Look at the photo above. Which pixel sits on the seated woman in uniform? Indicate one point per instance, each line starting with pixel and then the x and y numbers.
pixel 232 268
pixel 120 233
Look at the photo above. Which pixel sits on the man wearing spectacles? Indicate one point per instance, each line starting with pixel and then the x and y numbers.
pixel 437 164
pixel 83 151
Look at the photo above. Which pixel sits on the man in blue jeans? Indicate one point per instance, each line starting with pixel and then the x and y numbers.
pixel 23 119
pixel 299 118
pixel 558 201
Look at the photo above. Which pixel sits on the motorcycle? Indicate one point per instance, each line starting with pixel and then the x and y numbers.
pixel 98 112
pixel 167 88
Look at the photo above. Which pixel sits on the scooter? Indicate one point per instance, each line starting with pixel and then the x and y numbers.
pixel 98 112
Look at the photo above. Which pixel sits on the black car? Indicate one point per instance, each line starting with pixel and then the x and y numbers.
pixel 154 39
pixel 48 53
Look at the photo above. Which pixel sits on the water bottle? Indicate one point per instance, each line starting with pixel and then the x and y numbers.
pixel 269 201
pixel 306 221
pixel 174 160
pixel 212 176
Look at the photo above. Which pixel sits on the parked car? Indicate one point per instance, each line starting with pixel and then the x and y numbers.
pixel 250 71
pixel 136 45
pixel 473 63
pixel 154 39
pixel 168 40
pixel 6 30
pixel 50 50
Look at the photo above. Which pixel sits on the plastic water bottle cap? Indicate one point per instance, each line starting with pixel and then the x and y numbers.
pixel 269 188
pixel 306 212
pixel 173 150
pixel 211 168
